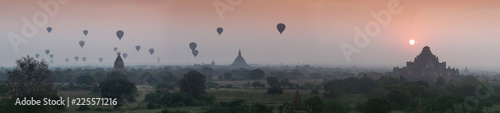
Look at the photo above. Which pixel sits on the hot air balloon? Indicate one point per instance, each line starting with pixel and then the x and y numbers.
pixel 151 51
pixel 49 29
pixel 119 33
pixel 100 59
pixel 76 58
pixel 219 30
pixel 51 61
pixel 37 55
pixel 137 48
pixel 67 60
pixel 82 43
pixel 47 52
pixel 85 32
pixel 51 56
pixel 281 27
pixel 125 55
pixel 192 45
pixel 115 49
pixel 195 53
pixel 84 59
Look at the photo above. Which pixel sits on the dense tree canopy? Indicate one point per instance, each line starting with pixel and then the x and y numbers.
pixel 193 84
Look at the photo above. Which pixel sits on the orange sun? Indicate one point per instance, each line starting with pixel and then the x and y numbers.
pixel 412 42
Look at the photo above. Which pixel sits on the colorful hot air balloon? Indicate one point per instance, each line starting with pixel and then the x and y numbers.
pixel 85 32
pixel 100 59
pixel 151 51
pixel 219 30
pixel 47 52
pixel 49 29
pixel 76 58
pixel 37 55
pixel 67 60
pixel 84 59
pixel 192 45
pixel 137 48
pixel 115 49
pixel 195 53
pixel 82 43
pixel 125 55
pixel 51 56
pixel 120 34
pixel 281 27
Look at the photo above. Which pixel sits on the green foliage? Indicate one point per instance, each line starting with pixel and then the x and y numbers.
pixel 228 76
pixel 316 103
pixel 123 90
pixel 377 105
pixel 399 95
pixel 273 81
pixel 164 86
pixel 440 81
pixel 314 91
pixel 286 84
pixel 261 108
pixel 308 85
pixel 193 84
pixel 256 74
pixel 85 80
pixel 258 85
pixel 336 106
pixel 83 108
pixel 275 90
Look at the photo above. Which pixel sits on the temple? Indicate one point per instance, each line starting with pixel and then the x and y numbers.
pixel 119 64
pixel 425 67
pixel 297 106
pixel 239 62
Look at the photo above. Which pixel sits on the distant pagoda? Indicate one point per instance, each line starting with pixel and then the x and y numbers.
pixel 297 106
pixel 426 67
pixel 239 62
pixel 119 64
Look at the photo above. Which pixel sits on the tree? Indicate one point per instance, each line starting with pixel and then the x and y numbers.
pixel 121 89
pixel 86 80
pixel 99 74
pixel 59 76
pixel 308 85
pixel 31 78
pixel 193 84
pixel 399 95
pixel 273 81
pixel 316 103
pixel 258 85
pixel 440 81
pixel 336 106
pixel 377 105
pixel 256 74
pixel 275 90
pixel 228 76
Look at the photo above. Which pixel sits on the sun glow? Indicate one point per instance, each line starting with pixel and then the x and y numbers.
pixel 412 42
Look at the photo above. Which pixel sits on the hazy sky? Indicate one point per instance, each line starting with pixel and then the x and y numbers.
pixel 460 32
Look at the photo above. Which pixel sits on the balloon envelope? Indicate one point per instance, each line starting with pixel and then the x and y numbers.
pixel 192 45
pixel 219 30
pixel 49 29
pixel 82 43
pixel 47 52
pixel 195 53
pixel 115 49
pixel 100 59
pixel 67 60
pixel 37 55
pixel 84 59
pixel 137 48
pixel 120 34
pixel 151 51
pixel 281 27
pixel 125 55
pixel 51 55
pixel 85 32
pixel 76 58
